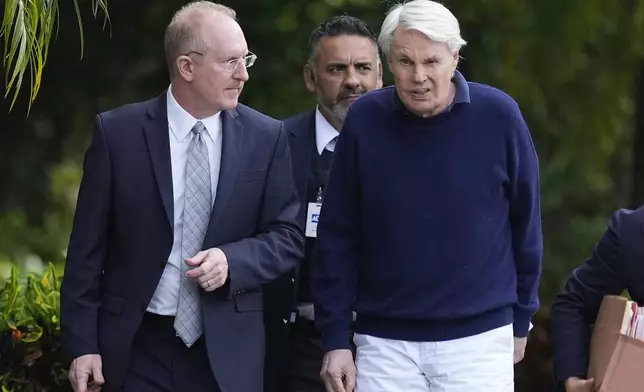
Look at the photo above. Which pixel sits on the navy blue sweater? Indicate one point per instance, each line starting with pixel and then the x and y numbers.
pixel 430 227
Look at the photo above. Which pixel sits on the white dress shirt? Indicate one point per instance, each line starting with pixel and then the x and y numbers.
pixel 180 123
pixel 325 134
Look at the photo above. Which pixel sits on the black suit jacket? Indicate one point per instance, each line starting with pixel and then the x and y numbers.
pixel 122 237
pixel 279 295
pixel 616 264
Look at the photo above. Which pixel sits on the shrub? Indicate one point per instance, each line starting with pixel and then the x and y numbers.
pixel 30 353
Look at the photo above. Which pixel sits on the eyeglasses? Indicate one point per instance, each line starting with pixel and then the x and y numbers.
pixel 231 65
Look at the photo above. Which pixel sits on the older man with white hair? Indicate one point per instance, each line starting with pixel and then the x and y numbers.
pixel 430 228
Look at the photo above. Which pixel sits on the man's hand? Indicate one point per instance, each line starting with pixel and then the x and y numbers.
pixel 576 384
pixel 338 371
pixel 86 373
pixel 519 348
pixel 209 268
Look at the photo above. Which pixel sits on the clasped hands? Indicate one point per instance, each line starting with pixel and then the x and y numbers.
pixel 209 268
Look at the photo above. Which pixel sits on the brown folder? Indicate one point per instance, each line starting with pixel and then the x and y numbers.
pixel 616 360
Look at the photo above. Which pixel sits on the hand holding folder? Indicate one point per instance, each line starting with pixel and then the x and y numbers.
pixel 575 384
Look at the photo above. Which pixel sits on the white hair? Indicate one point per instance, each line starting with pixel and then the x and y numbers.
pixel 430 18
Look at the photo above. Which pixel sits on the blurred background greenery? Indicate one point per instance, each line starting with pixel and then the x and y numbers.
pixel 575 67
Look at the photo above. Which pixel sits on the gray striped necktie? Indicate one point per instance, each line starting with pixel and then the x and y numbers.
pixel 196 214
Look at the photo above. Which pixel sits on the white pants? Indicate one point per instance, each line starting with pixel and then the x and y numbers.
pixel 479 363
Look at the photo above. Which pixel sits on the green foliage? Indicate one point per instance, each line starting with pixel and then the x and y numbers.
pixel 27 27
pixel 29 333
pixel 25 244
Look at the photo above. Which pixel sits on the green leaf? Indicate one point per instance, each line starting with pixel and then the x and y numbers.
pixel 27 27
pixel 80 27
pixel 53 277
pixel 33 334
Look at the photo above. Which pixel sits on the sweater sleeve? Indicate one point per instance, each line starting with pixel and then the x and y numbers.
pixel 335 270
pixel 525 220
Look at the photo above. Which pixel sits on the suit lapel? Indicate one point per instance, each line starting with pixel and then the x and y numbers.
pixel 302 145
pixel 231 149
pixel 157 136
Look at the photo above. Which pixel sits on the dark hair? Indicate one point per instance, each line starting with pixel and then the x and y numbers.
pixel 339 25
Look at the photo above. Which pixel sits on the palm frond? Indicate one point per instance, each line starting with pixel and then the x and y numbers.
pixel 27 28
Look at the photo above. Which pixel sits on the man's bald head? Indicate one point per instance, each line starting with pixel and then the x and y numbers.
pixel 183 35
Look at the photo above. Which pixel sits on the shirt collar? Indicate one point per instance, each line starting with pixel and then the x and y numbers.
pixel 324 132
pixel 462 93
pixel 181 122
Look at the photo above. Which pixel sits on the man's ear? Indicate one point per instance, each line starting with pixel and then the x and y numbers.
pixel 185 68
pixel 380 76
pixel 309 78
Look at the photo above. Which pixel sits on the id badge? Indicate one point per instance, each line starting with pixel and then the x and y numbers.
pixel 312 216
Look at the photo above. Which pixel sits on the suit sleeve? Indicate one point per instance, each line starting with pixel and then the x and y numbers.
pixel 525 220
pixel 279 246
pixel 575 308
pixel 86 254
pixel 336 265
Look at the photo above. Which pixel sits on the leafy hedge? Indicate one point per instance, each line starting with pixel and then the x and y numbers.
pixel 30 353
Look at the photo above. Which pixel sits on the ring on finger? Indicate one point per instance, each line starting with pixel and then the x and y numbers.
pixel 208 283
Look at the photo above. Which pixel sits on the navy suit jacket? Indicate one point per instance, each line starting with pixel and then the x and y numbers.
pixel 616 265
pixel 279 295
pixel 302 142
pixel 122 237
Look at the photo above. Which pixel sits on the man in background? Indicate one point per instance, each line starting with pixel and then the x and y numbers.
pixel 343 64
pixel 430 228
pixel 186 208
